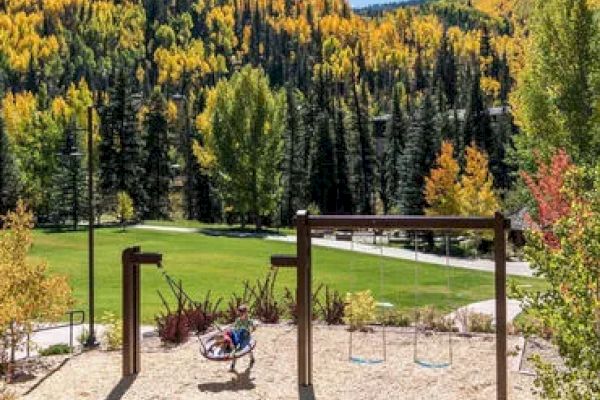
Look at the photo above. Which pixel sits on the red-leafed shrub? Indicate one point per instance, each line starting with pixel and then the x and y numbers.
pixel 201 316
pixel 547 188
pixel 264 304
pixel 173 328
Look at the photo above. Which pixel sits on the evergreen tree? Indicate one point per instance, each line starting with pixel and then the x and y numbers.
pixel 395 140
pixel 417 159
pixel 322 175
pixel 420 73
pixel 445 71
pixel 477 125
pixel 157 177
pixel 9 177
pixel 344 200
pixel 293 177
pixel 121 147
pixel 362 153
pixel 68 191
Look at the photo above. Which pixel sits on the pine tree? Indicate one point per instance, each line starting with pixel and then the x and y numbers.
pixel 121 148
pixel 69 192
pixel 293 177
pixel 395 141
pixel 157 177
pixel 417 158
pixel 322 176
pixel 420 73
pixel 9 177
pixel 362 153
pixel 344 200
pixel 477 125
pixel 445 71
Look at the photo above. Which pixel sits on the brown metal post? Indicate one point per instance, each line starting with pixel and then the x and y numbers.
pixel 303 299
pixel 130 330
pixel 500 274
pixel 132 258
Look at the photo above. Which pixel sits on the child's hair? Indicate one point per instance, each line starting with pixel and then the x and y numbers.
pixel 242 309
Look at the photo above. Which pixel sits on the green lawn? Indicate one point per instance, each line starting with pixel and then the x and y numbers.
pixel 220 264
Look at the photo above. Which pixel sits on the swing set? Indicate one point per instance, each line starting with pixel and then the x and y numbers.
pixel 302 261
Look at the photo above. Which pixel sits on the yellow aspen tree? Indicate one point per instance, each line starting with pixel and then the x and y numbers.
pixel 27 292
pixel 442 188
pixel 477 195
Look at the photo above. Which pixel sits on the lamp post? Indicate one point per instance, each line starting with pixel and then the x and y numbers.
pixel 91 339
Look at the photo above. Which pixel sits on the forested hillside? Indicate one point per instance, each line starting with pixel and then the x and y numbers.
pixel 356 106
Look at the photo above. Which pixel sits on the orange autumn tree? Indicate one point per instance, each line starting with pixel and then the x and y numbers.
pixel 441 186
pixel 27 292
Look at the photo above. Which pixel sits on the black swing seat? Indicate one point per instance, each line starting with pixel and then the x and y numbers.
pixel 208 349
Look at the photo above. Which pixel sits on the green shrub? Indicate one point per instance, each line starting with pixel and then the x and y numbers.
pixel 55 349
pixel 428 318
pixel 360 309
pixel 480 322
pixel 395 318
pixel 332 307
pixel 113 331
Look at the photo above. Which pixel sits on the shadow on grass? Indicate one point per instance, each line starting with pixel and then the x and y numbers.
pixel 239 233
pixel 240 382
pixel 122 387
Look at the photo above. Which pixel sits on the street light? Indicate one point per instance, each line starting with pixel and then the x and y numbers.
pixel 91 339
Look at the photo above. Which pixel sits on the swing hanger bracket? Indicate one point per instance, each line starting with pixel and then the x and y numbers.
pixel 136 257
pixel 284 261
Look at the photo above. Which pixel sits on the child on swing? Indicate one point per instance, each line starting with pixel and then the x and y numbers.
pixel 236 338
pixel 240 333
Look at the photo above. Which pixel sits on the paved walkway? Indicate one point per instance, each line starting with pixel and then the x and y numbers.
pixel 513 308
pixel 43 339
pixel 515 268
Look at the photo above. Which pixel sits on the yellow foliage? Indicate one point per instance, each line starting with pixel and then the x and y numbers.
pixel 360 309
pixel 441 186
pixel 175 62
pixel 477 195
pixel 490 86
pixel 21 42
pixel 125 210
pixel 27 292
pixel 18 111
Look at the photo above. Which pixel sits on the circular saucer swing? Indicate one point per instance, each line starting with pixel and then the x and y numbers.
pixel 208 348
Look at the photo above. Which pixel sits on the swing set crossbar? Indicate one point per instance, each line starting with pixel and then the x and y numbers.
pixel 305 223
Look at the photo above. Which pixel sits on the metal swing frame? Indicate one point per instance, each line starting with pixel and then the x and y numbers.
pixel 303 264
pixel 416 358
pixel 383 306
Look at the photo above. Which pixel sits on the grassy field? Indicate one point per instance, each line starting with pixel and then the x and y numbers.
pixel 221 264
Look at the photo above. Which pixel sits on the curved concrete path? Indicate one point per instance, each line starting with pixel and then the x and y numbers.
pixel 515 268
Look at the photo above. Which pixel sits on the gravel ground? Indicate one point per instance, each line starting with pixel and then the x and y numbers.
pixel 181 373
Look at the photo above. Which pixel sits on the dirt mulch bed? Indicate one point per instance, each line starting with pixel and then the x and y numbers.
pixel 181 373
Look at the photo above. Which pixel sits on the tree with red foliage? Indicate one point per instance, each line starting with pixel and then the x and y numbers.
pixel 546 187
